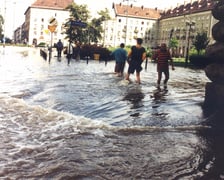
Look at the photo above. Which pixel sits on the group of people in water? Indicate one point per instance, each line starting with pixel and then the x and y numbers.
pixel 136 56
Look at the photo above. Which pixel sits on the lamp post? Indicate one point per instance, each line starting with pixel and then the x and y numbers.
pixel 189 25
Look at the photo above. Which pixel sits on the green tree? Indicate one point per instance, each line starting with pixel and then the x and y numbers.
pixel 1 26
pixel 201 41
pixel 76 33
pixel 96 26
pixel 173 44
pixel 93 31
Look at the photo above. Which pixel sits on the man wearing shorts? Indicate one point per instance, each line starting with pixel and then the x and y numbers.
pixel 136 55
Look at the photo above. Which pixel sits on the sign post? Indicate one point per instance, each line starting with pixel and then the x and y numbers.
pixel 52 27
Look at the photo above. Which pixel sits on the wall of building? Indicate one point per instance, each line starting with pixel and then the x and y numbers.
pixel 179 27
pixel 115 31
pixel 37 25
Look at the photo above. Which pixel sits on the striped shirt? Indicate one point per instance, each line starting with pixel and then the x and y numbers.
pixel 162 57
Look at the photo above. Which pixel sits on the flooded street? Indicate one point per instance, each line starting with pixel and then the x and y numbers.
pixel 80 121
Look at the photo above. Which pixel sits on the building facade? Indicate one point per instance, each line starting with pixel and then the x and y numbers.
pixel 130 22
pixel 37 18
pixel 127 23
pixel 184 22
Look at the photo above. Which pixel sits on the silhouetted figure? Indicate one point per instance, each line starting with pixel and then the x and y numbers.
pixel 59 47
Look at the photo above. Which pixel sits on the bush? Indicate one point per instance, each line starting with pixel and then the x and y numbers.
pixel 41 44
pixel 89 51
pixel 199 61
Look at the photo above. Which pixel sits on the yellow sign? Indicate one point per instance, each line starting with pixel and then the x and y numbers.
pixel 52 28
pixel 47 31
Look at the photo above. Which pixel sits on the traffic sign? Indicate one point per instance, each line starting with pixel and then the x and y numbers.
pixel 52 28
pixel 78 23
pixel 53 21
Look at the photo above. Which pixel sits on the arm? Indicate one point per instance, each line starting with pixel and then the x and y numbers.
pixel 129 56
pixel 143 56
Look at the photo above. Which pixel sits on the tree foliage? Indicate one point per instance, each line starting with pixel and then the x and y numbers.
pixel 1 26
pixel 173 44
pixel 201 41
pixel 90 34
pixel 77 13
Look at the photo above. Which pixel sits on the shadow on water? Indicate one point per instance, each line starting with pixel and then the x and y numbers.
pixel 135 96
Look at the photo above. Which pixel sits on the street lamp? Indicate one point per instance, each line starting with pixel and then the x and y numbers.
pixel 190 26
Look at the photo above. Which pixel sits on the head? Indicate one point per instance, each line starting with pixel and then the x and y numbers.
pixel 139 41
pixel 122 45
pixel 163 46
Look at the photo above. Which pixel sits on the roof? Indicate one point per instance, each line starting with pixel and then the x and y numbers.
pixel 138 12
pixel 53 4
pixel 189 8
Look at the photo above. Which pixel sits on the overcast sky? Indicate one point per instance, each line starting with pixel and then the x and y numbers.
pixel 14 10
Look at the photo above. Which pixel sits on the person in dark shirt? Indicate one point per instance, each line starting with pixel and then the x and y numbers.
pixel 136 55
pixel 120 56
pixel 162 57
pixel 59 47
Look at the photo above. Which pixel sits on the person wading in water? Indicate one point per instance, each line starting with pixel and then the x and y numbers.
pixel 137 55
pixel 162 57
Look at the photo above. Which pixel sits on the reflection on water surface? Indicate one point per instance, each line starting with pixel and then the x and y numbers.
pixel 79 121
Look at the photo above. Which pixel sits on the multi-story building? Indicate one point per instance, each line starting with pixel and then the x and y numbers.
pixel 156 26
pixel 18 35
pixel 129 22
pixel 37 18
pixel 184 22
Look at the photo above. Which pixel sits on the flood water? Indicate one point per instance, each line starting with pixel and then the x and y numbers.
pixel 80 121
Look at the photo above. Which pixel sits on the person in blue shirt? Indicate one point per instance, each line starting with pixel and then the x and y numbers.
pixel 120 56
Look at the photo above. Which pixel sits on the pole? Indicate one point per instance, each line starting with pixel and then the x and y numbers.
pixel 146 63
pixel 50 49
pixel 187 52
pixel 188 42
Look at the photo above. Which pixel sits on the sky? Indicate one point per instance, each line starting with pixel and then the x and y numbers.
pixel 13 10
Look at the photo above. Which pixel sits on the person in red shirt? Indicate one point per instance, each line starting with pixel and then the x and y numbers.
pixel 162 57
